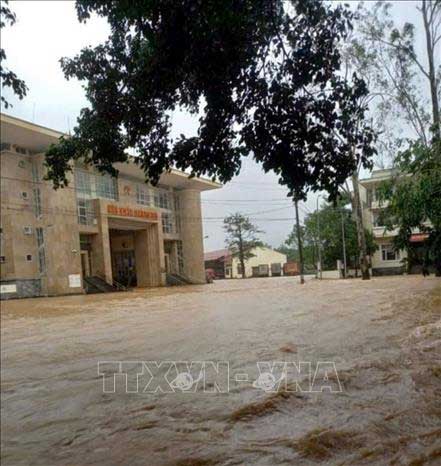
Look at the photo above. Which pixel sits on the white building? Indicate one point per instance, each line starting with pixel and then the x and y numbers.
pixel 386 260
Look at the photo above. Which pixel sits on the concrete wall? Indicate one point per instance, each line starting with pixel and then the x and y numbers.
pixel 379 263
pixel 57 217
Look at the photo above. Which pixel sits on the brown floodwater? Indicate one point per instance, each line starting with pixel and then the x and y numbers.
pixel 383 335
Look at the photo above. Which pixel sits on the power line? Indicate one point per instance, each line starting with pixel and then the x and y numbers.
pixel 74 213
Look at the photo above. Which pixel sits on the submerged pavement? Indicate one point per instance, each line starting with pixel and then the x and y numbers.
pixel 371 394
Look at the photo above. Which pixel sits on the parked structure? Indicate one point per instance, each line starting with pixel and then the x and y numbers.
pixel 114 229
pixel 265 263
pixel 386 260
pixel 217 262
pixel 291 268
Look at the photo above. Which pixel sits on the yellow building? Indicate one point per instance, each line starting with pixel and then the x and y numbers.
pixel 265 262
pixel 99 232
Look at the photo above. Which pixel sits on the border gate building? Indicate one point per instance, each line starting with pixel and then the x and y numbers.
pixel 114 230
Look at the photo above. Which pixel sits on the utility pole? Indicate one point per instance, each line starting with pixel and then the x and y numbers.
pixel 344 243
pixel 299 243
pixel 319 243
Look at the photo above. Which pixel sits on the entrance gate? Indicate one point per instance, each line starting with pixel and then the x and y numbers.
pixel 124 269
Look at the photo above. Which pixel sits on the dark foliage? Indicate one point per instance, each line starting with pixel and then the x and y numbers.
pixel 7 77
pixel 262 74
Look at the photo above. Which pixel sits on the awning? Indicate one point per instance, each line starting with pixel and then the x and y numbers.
pixel 418 237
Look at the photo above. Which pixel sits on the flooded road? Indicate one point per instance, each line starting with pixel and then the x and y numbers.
pixel 383 335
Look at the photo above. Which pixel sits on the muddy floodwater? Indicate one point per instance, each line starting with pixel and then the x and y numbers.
pixel 60 407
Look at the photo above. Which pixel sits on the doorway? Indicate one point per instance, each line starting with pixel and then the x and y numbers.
pixel 86 265
pixel 167 262
pixel 124 269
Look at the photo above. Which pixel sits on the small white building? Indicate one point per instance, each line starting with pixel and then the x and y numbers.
pixel 265 263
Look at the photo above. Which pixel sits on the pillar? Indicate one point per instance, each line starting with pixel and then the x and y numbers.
pixel 149 256
pixel 101 256
pixel 192 235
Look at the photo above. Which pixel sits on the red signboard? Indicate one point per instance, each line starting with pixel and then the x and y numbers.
pixel 130 212
pixel 418 237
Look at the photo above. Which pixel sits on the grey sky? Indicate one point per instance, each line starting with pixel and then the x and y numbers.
pixel 48 30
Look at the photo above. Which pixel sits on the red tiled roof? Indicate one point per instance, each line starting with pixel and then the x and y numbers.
pixel 214 255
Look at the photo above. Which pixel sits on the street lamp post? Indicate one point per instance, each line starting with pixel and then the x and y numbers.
pixel 344 243
pixel 318 239
pixel 299 242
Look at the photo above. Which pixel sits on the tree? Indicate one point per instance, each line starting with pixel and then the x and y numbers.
pixel 397 75
pixel 263 74
pixel 331 241
pixel 414 200
pixel 7 77
pixel 291 249
pixel 386 57
pixel 241 238
pixel 329 217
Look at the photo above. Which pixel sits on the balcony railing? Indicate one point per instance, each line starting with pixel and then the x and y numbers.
pixel 381 232
pixel 378 204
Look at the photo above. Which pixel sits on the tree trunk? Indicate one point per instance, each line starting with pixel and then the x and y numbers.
pixel 361 237
pixel 241 254
pixel 432 73
pixel 299 242
pixel 242 265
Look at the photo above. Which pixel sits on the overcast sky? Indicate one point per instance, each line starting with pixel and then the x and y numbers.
pixel 48 30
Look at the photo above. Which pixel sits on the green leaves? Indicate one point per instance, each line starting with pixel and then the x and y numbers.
pixel 324 228
pixel 7 77
pixel 266 77
pixel 414 198
pixel 242 236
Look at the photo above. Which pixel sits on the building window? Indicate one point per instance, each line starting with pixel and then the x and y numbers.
pixel 377 219
pixel 2 259
pixel 177 213
pixel 142 195
pixel 106 186
pixel 24 195
pixel 83 184
pixel 41 250
pixel 380 219
pixel 167 222
pixel 29 257
pixel 370 196
pixel 263 269
pixel 5 146
pixel 162 199
pixel 86 211
pixel 21 150
pixel 239 269
pixel 389 253
pixel 37 202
